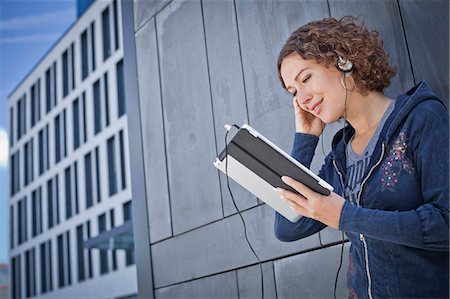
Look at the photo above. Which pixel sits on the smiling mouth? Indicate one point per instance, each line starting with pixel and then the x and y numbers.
pixel 316 108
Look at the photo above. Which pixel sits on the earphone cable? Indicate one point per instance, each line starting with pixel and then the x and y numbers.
pixel 242 218
pixel 346 155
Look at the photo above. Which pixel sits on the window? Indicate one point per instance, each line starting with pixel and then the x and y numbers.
pixel 25 164
pixel 47 151
pixel 60 136
pixel 71 190
pixel 116 24
pixel 36 211
pixel 44 163
pixel 15 173
pixel 41 151
pixel 75 178
pixel 76 124
pixel 120 88
pixel 11 126
pixel 53 201
pixel 28 162
pixel 105 83
pixel 65 133
pixel 35 98
pixel 84 117
pixel 21 117
pixel 48 90
pixel 88 178
pixel 106 34
pixel 50 87
pixel 127 216
pixel 46 267
pixel 64 264
pixel 72 65
pixel 22 220
pixel 122 161
pixel 93 45
pixel 57 139
pixel 84 256
pixel 97 172
pixel 16 274
pixel 97 107
pixel 84 55
pixel 88 232
pixel 80 254
pixel 68 193
pixel 104 268
pixel 30 273
pixel 11 226
pixel 54 84
pixel 112 172
pixel 65 70
pixel 114 252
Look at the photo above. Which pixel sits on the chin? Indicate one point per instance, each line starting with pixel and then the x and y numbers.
pixel 328 119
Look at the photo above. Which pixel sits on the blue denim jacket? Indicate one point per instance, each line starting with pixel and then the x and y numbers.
pixel 398 229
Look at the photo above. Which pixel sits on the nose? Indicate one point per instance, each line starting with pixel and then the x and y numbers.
pixel 303 98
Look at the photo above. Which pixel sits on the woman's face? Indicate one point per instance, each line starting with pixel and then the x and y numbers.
pixel 318 89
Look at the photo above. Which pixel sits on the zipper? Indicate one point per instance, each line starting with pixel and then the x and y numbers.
pixel 361 236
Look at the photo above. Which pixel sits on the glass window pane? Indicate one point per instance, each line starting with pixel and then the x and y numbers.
pixel 106 34
pixel 84 55
pixel 120 88
pixel 97 108
pixel 65 70
pixel 112 172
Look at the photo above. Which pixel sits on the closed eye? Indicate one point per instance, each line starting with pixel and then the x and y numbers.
pixel 306 78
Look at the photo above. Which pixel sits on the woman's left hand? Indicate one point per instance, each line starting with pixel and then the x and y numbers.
pixel 326 209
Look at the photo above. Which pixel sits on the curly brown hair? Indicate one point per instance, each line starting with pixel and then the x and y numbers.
pixel 327 39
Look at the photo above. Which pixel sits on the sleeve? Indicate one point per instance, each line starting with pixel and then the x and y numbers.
pixel 286 231
pixel 426 227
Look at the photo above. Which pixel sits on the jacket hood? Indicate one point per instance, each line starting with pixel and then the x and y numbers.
pixel 404 103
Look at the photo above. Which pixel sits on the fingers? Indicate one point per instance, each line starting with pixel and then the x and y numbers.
pixel 302 189
pixel 293 199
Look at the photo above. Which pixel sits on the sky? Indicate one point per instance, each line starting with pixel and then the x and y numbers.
pixel 28 30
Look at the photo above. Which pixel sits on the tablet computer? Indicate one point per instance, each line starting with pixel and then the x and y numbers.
pixel 257 164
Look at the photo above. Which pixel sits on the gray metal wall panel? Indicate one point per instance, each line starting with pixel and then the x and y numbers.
pixel 427 30
pixel 217 286
pixel 249 281
pixel 383 16
pixel 312 274
pixel 227 86
pixel 263 27
pixel 220 247
pixel 189 128
pixel 153 134
pixel 144 10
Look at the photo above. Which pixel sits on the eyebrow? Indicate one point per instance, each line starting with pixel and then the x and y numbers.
pixel 296 76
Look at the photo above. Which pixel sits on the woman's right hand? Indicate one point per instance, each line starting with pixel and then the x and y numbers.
pixel 306 122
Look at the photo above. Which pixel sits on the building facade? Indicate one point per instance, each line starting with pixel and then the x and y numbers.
pixel 70 194
pixel 193 66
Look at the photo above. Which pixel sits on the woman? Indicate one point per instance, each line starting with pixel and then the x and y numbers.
pixel 388 166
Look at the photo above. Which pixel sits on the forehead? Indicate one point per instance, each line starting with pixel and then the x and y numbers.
pixel 294 62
